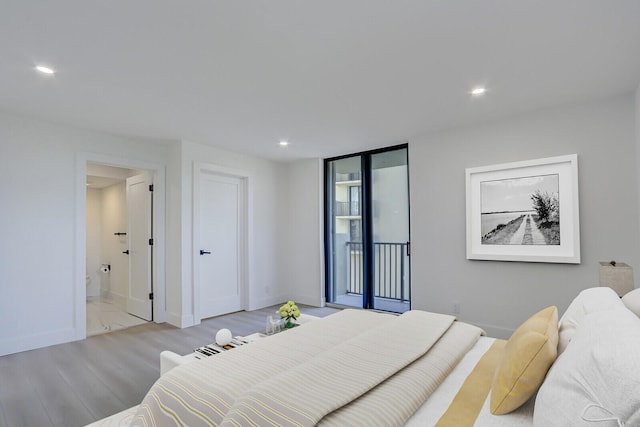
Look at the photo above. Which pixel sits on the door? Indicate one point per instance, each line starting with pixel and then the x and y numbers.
pixel 367 230
pixel 140 238
pixel 390 230
pixel 219 243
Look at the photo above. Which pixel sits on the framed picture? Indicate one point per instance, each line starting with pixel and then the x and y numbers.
pixel 524 211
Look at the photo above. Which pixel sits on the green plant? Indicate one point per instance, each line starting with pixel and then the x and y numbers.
pixel 290 312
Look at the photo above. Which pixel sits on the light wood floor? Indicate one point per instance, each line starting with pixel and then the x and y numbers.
pixel 77 383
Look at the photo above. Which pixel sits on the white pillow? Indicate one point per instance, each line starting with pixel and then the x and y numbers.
pixel 597 377
pixel 588 301
pixel 632 301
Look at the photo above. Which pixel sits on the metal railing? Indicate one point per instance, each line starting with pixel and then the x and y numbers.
pixel 390 265
pixel 347 208
pixel 350 176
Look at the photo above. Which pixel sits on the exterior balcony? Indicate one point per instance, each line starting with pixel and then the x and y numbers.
pixel 391 280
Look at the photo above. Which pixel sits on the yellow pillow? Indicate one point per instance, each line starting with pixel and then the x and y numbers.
pixel 526 358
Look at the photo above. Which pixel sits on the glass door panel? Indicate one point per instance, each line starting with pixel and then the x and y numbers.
pixel 390 224
pixel 344 228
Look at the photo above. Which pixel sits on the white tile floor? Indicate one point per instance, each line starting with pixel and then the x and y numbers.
pixel 103 316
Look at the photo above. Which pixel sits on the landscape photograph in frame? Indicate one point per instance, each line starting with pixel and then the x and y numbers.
pixel 524 211
pixel 520 211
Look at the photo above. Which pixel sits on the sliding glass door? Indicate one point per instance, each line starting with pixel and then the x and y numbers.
pixel 367 230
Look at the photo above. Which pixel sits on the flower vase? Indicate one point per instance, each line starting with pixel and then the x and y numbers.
pixel 289 323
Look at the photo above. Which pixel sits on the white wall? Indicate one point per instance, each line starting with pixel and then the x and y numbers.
pixel 175 202
pixel 94 235
pixel 38 175
pixel 500 295
pixel 114 219
pixel 304 257
pixel 638 154
pixel 265 263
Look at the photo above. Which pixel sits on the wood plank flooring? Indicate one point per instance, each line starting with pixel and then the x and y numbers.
pixel 77 383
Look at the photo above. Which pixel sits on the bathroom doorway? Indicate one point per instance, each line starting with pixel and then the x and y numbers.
pixel 119 245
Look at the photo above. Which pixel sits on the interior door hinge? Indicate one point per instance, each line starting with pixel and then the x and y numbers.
pixel 408 248
pixel 151 295
pixel 150 242
pixel 150 187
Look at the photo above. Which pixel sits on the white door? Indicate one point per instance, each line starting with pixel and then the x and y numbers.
pixel 218 243
pixel 139 233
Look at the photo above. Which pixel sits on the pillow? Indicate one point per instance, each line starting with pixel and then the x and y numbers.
pixel 526 358
pixel 588 301
pixel 632 301
pixel 597 377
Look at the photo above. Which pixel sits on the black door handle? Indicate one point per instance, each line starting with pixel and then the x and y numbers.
pixel 126 252
pixel 204 252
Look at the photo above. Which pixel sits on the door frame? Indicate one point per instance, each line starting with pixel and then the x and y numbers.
pixel 245 221
pixel 157 171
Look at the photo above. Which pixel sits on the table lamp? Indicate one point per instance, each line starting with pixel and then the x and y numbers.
pixel 616 275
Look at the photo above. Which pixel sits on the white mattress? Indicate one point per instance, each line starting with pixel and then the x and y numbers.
pixel 429 413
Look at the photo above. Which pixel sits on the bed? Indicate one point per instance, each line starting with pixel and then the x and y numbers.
pixel 417 369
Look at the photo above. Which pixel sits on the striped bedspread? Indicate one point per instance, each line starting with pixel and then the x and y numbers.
pixel 352 368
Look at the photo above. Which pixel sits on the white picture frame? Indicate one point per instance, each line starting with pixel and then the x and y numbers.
pixel 498 214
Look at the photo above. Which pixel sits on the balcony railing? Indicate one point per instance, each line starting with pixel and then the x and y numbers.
pixel 391 263
pixel 351 176
pixel 347 208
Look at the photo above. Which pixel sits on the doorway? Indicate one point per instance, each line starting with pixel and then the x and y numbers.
pixel 118 225
pixel 221 229
pixel 104 235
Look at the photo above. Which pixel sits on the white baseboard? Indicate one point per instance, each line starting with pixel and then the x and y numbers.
pixel 31 342
pixel 180 321
pixel 312 300
pixel 256 304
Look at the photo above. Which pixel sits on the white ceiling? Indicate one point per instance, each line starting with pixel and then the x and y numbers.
pixel 330 76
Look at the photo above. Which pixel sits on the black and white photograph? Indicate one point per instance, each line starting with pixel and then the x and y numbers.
pixel 520 211
pixel 524 211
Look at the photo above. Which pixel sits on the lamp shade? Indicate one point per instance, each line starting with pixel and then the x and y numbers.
pixel 617 276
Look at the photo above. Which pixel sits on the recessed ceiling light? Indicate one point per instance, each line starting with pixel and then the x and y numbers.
pixel 478 91
pixel 45 70
pixel 283 143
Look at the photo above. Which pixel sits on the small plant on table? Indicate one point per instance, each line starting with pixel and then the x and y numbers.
pixel 290 312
